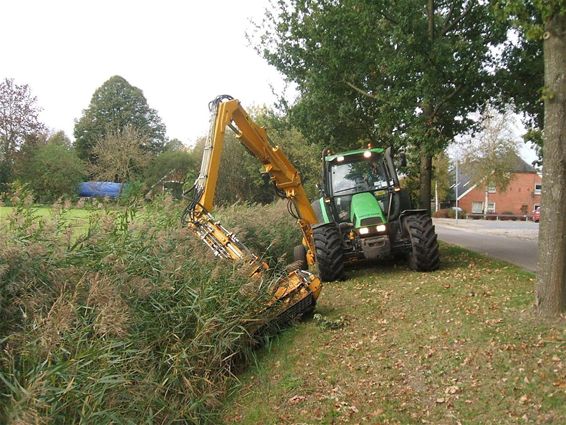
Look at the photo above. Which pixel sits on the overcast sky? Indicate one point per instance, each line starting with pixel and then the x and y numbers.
pixel 180 53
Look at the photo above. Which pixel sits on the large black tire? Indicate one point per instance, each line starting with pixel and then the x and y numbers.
pixel 424 256
pixel 329 254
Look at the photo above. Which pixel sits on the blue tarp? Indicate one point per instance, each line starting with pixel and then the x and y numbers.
pixel 100 189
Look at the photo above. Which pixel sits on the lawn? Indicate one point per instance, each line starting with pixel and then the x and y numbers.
pixel 77 217
pixel 388 345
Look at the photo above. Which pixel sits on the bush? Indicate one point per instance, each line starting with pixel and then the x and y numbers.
pixel 132 322
pixel 53 171
pixel 449 213
pixel 443 213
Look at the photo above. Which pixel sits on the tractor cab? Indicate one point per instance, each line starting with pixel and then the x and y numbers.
pixel 373 216
pixel 358 183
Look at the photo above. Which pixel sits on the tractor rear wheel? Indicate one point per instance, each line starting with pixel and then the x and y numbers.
pixel 424 256
pixel 329 255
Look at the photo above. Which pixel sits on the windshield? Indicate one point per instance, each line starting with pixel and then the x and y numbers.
pixel 358 176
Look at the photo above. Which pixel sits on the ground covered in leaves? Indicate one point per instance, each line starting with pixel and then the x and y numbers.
pixel 388 345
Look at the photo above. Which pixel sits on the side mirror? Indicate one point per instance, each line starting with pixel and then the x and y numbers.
pixel 320 190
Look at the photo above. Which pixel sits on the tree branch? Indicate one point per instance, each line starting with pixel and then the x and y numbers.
pixel 451 25
pixel 361 91
pixel 449 17
pixel 388 18
pixel 454 92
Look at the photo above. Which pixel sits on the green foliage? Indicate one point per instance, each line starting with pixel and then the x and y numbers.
pixel 521 78
pixel 529 15
pixel 403 73
pixel 240 177
pixel 52 171
pixel 174 145
pixel 114 106
pixel 59 138
pixel 442 178
pixel 172 164
pixel 304 155
pixel 535 137
pixel 382 72
pixel 132 322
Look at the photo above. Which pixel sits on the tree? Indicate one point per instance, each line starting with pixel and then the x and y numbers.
pixel 551 288
pixel 59 138
pixel 179 164
pixel 491 155
pixel 174 145
pixel 551 29
pixel 442 178
pixel 53 171
pixel 401 73
pixel 304 155
pixel 19 119
pixel 120 156
pixel 114 106
pixel 239 178
pixel 521 78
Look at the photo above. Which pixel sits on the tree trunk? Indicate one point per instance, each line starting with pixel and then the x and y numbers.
pixel 551 287
pixel 425 179
pixel 425 175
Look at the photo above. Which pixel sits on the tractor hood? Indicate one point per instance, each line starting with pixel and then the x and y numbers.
pixel 365 210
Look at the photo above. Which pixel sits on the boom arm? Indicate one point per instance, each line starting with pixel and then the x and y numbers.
pixel 297 291
pixel 227 112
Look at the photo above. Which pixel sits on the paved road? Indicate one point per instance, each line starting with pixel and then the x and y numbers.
pixel 515 242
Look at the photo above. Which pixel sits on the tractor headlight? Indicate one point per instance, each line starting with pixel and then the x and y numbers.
pixel 381 228
pixel 367 154
pixel 340 158
pixel 364 230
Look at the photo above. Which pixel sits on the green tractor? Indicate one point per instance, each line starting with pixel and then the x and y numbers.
pixel 365 215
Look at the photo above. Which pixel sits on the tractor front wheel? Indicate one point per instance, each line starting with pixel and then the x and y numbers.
pixel 329 254
pixel 424 256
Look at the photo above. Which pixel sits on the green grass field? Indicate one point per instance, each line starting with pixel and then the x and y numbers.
pixel 77 217
pixel 388 345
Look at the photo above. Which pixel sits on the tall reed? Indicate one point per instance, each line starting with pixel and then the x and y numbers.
pixel 131 321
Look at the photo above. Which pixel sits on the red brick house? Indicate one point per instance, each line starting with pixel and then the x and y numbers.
pixel 521 196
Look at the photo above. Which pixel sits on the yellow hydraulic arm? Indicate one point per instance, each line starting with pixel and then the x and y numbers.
pixel 298 287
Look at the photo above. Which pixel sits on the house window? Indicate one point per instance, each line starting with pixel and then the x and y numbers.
pixel 477 207
pixel 538 189
pixel 491 187
pixel 491 207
